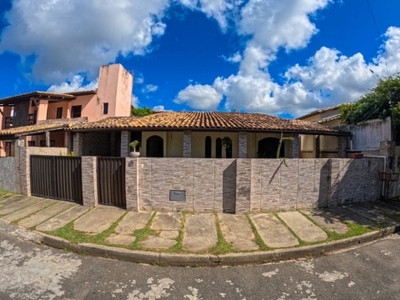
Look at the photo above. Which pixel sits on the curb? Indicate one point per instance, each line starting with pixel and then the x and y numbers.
pixel 169 259
pixel 258 257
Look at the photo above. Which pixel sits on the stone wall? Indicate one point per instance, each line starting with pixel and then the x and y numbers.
pixel 7 174
pixel 238 186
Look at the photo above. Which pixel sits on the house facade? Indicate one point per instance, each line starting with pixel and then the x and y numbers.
pixel 40 118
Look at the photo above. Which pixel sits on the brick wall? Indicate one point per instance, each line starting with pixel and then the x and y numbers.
pixel 7 174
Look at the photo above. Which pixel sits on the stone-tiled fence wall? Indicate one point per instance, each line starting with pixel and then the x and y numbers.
pixel 250 185
pixel 7 174
pixel 228 185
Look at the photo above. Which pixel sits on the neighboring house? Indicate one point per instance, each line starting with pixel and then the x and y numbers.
pixel 318 146
pixel 197 135
pixel 39 118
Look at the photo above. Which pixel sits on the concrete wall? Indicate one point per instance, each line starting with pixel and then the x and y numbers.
pixel 7 174
pixel 367 137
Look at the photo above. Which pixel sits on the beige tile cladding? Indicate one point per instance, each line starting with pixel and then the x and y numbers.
pixel 77 144
pixel 204 184
pixel 270 180
pixel 224 185
pixel 131 183
pixel 144 179
pixel 89 180
pixel 183 179
pixel 243 185
pixel 161 183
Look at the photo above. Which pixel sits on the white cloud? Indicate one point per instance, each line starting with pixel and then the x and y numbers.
pixel 217 9
pixel 202 97
pixel 135 101
pixel 150 88
pixel 328 78
pixel 235 58
pixel 67 37
pixel 160 108
pixel 76 84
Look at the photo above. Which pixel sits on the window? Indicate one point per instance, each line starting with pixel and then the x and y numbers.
pixel 208 147
pixel 76 111
pixel 105 109
pixel 59 113
pixel 43 143
pixel 31 143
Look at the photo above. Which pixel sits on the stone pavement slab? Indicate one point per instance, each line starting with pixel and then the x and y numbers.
pixel 132 222
pixel 273 232
pixel 370 213
pixel 10 200
pixel 118 239
pixel 328 220
pixel 200 232
pixel 155 242
pixel 169 234
pixel 18 205
pixel 345 215
pixel 63 219
pixel 26 211
pixel 236 230
pixel 98 219
pixel 46 214
pixel 167 221
pixel 304 228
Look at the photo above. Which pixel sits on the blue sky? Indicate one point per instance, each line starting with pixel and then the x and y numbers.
pixel 284 57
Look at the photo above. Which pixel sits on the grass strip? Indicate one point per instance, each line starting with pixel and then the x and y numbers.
pixel 222 246
pixel 257 238
pixel 141 234
pixel 301 242
pixel 178 247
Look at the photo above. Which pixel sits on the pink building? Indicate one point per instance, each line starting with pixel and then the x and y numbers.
pixel 39 118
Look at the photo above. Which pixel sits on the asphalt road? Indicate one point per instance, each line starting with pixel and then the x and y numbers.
pixel 29 271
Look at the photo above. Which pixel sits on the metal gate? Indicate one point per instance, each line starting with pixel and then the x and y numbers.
pixel 111 181
pixel 57 177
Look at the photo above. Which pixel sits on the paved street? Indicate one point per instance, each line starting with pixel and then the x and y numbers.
pixel 29 271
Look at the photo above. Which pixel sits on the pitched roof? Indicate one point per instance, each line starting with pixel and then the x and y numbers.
pixel 319 111
pixel 206 121
pixel 37 128
pixel 49 95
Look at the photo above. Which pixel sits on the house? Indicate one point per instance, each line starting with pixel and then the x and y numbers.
pixel 40 118
pixel 319 146
pixel 197 135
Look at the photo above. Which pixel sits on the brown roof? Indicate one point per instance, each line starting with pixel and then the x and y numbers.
pixel 37 128
pixel 319 111
pixel 45 95
pixel 206 121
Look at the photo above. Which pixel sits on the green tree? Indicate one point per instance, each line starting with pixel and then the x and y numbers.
pixel 141 111
pixel 381 102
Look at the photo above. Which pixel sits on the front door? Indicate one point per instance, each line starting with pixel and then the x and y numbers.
pixel 268 147
pixel 155 146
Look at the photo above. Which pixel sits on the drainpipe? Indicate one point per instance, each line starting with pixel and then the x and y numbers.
pixel 384 169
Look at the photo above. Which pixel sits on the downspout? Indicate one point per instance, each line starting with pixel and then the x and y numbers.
pixel 384 169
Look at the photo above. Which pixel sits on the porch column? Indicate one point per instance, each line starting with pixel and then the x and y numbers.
pixel 242 144
pixel 77 146
pixel 294 146
pixel 342 146
pixel 125 137
pixel 47 138
pixel 187 143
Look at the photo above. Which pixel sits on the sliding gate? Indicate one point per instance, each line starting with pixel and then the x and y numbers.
pixel 111 181
pixel 57 177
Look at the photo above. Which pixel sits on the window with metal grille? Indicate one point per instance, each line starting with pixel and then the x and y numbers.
pixel 105 108
pixel 76 111
pixel 59 113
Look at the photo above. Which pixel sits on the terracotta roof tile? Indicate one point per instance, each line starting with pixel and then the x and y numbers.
pixel 34 128
pixel 206 120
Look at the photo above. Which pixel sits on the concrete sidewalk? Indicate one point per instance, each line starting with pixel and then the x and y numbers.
pixel 188 237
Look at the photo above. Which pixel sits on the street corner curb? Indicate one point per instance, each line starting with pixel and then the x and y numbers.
pixel 189 259
pixel 21 232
